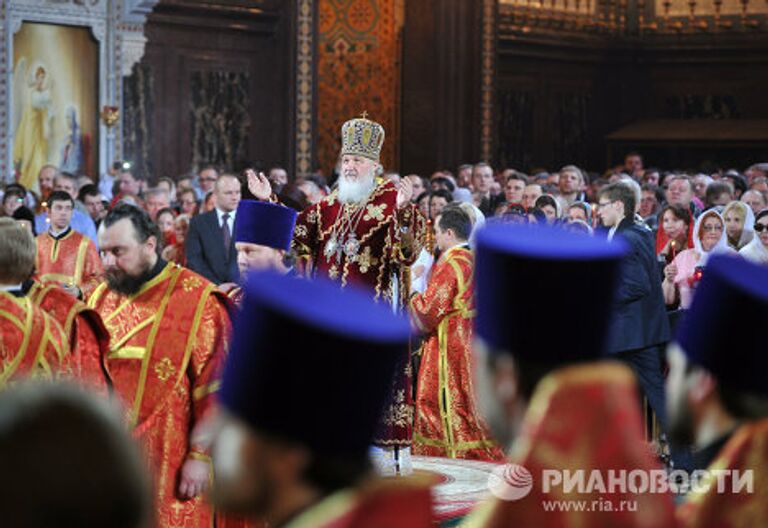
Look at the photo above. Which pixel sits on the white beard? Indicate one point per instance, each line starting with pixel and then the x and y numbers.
pixel 356 192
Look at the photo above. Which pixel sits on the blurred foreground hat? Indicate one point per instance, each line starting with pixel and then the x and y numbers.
pixel 524 273
pixel 311 363
pixel 722 330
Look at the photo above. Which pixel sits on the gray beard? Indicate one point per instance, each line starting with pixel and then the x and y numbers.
pixel 356 192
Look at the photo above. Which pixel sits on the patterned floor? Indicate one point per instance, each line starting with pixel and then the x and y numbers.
pixel 462 484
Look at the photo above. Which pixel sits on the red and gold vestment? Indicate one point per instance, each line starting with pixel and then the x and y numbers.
pixel 71 259
pixel 88 339
pixel 448 423
pixel 168 342
pixel 32 343
pixel 582 417
pixel 369 246
pixel 746 450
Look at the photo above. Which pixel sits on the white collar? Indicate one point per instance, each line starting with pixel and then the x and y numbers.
pixel 612 232
pixel 220 215
pixel 10 287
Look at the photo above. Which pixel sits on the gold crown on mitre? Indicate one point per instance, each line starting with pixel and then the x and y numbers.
pixel 362 137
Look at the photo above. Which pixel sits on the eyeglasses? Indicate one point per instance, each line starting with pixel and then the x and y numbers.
pixel 603 204
pixel 759 228
pixel 208 179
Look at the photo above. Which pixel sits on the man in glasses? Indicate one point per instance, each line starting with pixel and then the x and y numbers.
pixel 206 180
pixel 640 326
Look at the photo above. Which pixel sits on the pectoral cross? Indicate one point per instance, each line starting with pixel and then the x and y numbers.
pixel 364 115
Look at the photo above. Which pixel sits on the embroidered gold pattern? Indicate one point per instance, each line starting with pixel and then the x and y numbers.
pixel 374 212
pixel 333 272
pixel 365 260
pixel 190 283
pixel 164 369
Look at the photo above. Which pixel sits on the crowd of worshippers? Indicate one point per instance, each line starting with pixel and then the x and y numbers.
pixel 140 291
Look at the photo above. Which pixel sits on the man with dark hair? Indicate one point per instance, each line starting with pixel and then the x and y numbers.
pixel 284 459
pixel 718 193
pixel 130 185
pixel 206 180
pixel 449 425
pixel 640 326
pixel 650 204
pixel 717 392
pixel 169 330
pixel 551 393
pixel 515 187
pixel 65 256
pixel 80 221
pixel 482 184
pixel 32 344
pixel 531 193
pixel 84 455
pixel 279 177
pixel 441 183
pixel 92 199
pixel 633 164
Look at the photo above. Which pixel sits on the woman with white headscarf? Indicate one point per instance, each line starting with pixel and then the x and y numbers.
pixel 757 250
pixel 685 271
pixel 739 224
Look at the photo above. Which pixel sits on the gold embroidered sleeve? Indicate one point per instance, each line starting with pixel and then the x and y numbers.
pixel 306 232
pixel 430 307
pixel 209 351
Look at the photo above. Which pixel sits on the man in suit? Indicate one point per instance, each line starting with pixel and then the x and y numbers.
pixel 640 326
pixel 210 245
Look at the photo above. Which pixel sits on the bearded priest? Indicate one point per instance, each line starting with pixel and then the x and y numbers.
pixel 365 234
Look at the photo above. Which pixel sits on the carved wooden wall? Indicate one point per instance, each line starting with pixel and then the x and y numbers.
pixel 216 85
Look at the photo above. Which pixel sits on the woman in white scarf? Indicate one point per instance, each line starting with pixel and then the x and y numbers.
pixel 757 250
pixel 739 222
pixel 683 274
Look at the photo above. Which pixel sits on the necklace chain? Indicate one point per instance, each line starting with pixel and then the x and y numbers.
pixel 344 234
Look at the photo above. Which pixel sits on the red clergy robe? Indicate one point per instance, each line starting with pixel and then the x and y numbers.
pixel 168 342
pixel 747 449
pixel 582 417
pixel 32 343
pixel 71 259
pixel 88 339
pixel 370 246
pixel 448 423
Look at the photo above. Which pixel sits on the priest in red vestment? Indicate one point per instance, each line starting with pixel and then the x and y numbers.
pixel 304 386
pixel 88 339
pixel 168 336
pixel 448 423
pixel 32 344
pixel 65 256
pixel 545 388
pixel 365 234
pixel 718 395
